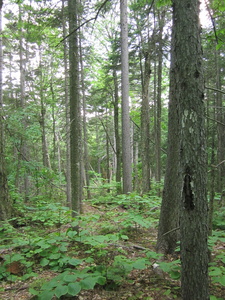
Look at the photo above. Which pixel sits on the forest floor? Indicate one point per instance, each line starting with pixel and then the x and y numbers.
pixel 149 283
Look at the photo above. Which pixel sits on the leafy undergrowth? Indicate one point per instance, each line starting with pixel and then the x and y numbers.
pixel 111 256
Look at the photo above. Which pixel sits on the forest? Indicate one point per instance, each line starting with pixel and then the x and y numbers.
pixel 112 149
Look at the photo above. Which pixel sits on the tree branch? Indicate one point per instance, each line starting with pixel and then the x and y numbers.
pixel 214 89
pixel 218 122
pixel 222 162
pixel 105 129
pixel 85 22
pixel 213 22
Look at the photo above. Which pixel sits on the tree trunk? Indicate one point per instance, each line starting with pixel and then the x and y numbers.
pixel 45 156
pixel 75 132
pixel 85 135
pixel 107 155
pixel 188 90
pixel 24 185
pixel 145 123
pixel 161 17
pixel 117 134
pixel 66 92
pixel 211 181
pixel 126 147
pixel 5 203
pixel 220 128
pixel 53 104
pixel 168 233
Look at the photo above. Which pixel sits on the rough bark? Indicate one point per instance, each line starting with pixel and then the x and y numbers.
pixel 117 134
pixel 168 233
pixel 75 132
pixel 220 117
pixel 45 156
pixel 85 132
pixel 66 92
pixel 126 149
pixel 161 17
pixel 188 89
pixel 145 125
pixel 168 230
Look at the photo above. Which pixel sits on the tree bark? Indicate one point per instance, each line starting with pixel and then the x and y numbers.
pixel 145 124
pixel 220 127
pixel 168 234
pixel 188 90
pixel 126 147
pixel 161 17
pixel 75 132
pixel 45 156
pixel 117 134
pixel 67 103
pixel 84 123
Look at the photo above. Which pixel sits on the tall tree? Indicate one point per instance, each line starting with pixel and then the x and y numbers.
pixel 126 149
pixel 23 148
pixel 188 90
pixel 42 119
pixel 168 233
pixel 168 230
pixel 117 133
pixel 220 125
pixel 75 132
pixel 161 17
pixel 5 204
pixel 66 91
pixel 84 126
pixel 145 121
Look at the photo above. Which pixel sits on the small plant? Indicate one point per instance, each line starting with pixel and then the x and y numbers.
pixel 68 283
pixel 219 219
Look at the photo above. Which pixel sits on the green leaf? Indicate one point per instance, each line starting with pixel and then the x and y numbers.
pixel 70 277
pixel 74 223
pixel 214 298
pixel 61 290
pixel 72 234
pixel 55 256
pixel 101 280
pixel 44 262
pixel 48 286
pixel 89 259
pixel 46 295
pixel 17 257
pixel 153 255
pixel 43 244
pixel 167 293
pixel 215 272
pixel 74 261
pixel 139 264
pixel 74 288
pixel 63 248
pixel 124 237
pixel 175 275
pixel 33 291
pixel 88 283
pixel 222 280
pixel 29 275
